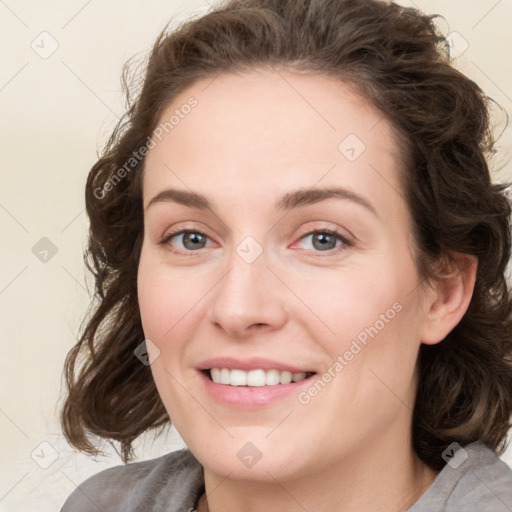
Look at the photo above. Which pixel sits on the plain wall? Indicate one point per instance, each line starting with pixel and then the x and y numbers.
pixel 56 112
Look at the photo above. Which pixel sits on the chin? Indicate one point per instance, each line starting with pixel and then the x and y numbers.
pixel 250 455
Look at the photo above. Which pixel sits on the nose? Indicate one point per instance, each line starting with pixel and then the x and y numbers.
pixel 248 299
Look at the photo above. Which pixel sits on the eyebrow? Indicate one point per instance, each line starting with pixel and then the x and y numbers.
pixel 291 200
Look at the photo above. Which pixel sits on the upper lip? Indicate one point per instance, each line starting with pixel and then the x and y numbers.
pixel 255 363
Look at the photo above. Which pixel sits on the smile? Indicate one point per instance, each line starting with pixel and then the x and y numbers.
pixel 254 378
pixel 252 383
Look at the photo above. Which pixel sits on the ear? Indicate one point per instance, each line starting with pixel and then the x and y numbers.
pixel 447 300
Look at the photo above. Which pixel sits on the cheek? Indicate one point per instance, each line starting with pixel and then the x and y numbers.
pixel 342 303
pixel 172 306
pixel 153 302
pixel 367 316
pixel 166 313
pixel 166 297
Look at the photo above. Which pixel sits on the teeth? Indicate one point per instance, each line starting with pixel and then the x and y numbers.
pixel 238 378
pixel 255 378
pixel 285 377
pixel 225 376
pixel 272 377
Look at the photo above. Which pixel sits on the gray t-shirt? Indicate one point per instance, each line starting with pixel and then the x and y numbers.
pixel 174 482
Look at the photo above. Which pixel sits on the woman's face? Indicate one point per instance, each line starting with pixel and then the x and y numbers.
pixel 262 162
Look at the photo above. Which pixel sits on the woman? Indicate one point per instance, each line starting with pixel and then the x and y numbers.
pixel 300 261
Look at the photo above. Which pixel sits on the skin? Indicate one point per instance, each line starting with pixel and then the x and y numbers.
pixel 253 137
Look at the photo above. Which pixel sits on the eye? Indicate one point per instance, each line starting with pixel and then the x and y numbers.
pixel 322 240
pixel 191 240
pixel 326 240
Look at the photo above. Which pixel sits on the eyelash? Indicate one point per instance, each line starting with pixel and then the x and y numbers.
pixel 330 231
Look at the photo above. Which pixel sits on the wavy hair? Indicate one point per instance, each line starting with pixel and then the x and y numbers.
pixel 395 58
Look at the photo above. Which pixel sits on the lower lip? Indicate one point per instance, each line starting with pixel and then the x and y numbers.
pixel 246 397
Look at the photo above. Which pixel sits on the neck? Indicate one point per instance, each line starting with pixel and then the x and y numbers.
pixel 381 477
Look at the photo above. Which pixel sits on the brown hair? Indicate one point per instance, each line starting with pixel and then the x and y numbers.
pixel 394 57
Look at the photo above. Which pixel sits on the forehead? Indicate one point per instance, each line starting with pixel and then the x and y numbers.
pixel 265 130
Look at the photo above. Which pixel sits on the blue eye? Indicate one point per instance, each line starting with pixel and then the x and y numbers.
pixel 324 240
pixel 192 240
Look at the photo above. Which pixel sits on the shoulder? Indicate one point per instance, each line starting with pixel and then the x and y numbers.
pixel 485 485
pixel 171 482
pixel 475 480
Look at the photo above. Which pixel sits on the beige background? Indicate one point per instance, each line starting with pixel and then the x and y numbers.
pixel 56 112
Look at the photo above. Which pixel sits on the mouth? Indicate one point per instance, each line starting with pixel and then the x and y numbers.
pixel 254 378
pixel 252 383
